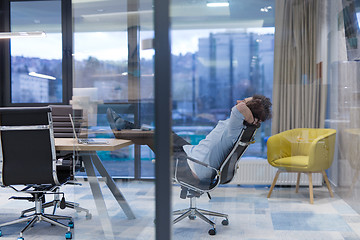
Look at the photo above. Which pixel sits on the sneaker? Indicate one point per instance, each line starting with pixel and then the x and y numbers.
pixel 112 117
pixel 116 122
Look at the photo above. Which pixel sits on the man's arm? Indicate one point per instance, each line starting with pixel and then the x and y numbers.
pixel 245 111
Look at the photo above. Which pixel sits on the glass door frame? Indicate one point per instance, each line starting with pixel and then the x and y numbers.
pixel 163 167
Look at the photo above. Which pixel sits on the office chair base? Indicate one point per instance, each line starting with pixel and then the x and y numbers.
pixel 39 216
pixel 32 219
pixel 194 212
pixel 55 204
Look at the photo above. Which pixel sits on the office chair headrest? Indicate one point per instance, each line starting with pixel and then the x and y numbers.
pixel 257 125
pixel 25 109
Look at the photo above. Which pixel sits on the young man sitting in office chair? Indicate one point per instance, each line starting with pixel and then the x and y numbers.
pixel 218 142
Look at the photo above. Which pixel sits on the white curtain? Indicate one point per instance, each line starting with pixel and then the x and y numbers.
pixel 299 95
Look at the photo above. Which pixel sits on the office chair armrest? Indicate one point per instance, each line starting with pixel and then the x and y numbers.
pixel 203 164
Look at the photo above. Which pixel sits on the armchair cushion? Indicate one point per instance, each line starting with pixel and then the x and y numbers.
pixel 295 161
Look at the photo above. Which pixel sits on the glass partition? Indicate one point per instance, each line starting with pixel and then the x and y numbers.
pixel 114 86
pixel 343 98
pixel 304 56
pixel 114 70
pixel 294 177
pixel 221 59
pixel 222 53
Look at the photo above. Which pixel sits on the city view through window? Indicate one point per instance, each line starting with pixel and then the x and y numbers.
pixel 227 66
pixel 210 71
pixel 36 63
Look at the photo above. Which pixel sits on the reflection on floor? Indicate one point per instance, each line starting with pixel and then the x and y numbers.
pixel 285 215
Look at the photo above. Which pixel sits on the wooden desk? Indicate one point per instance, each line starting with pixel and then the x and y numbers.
pixel 91 159
pixel 133 133
pixel 69 144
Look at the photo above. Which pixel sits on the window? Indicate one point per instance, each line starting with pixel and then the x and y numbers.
pixel 211 70
pixel 36 63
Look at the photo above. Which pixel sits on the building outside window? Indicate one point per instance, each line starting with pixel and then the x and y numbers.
pixel 208 78
pixel 36 63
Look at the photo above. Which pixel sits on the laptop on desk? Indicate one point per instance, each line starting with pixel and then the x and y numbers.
pixel 86 140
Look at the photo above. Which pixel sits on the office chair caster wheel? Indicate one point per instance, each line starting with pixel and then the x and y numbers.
pixel 88 216
pixel 192 217
pixel 68 235
pixel 71 224
pixel 225 222
pixel 212 231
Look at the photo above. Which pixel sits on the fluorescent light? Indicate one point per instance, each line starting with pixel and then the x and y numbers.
pixel 117 14
pixel 21 34
pixel 265 9
pixel 34 74
pixel 217 4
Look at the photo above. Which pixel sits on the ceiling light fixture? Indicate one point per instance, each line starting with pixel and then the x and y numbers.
pixel 39 75
pixel 265 9
pixel 6 35
pixel 217 3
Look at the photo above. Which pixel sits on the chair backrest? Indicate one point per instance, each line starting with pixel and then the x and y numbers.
pixel 27 146
pixel 62 123
pixel 229 165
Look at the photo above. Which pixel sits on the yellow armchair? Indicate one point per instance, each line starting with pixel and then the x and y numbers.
pixel 302 150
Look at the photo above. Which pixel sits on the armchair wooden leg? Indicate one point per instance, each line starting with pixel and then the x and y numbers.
pixel 273 183
pixel 327 183
pixel 311 188
pixel 298 182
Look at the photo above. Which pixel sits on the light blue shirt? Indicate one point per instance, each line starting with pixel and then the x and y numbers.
pixel 216 146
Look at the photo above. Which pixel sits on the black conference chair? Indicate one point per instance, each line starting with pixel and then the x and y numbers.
pixel 193 188
pixel 65 159
pixel 27 150
pixel 62 123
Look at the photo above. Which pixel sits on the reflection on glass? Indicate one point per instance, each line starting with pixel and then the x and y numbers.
pixel 103 66
pixel 109 57
pixel 39 56
pixel 113 71
pixel 219 55
pixel 343 99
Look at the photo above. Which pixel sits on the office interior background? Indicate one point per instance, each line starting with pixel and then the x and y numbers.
pixel 302 54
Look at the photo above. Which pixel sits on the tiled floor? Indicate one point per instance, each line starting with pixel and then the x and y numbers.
pixel 285 216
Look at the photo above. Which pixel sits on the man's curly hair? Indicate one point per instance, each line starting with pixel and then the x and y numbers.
pixel 260 106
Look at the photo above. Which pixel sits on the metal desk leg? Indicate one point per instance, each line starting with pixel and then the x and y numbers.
pixel 112 186
pixel 98 197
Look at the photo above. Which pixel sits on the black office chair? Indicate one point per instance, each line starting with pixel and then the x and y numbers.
pixel 193 187
pixel 27 151
pixel 62 123
pixel 65 159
